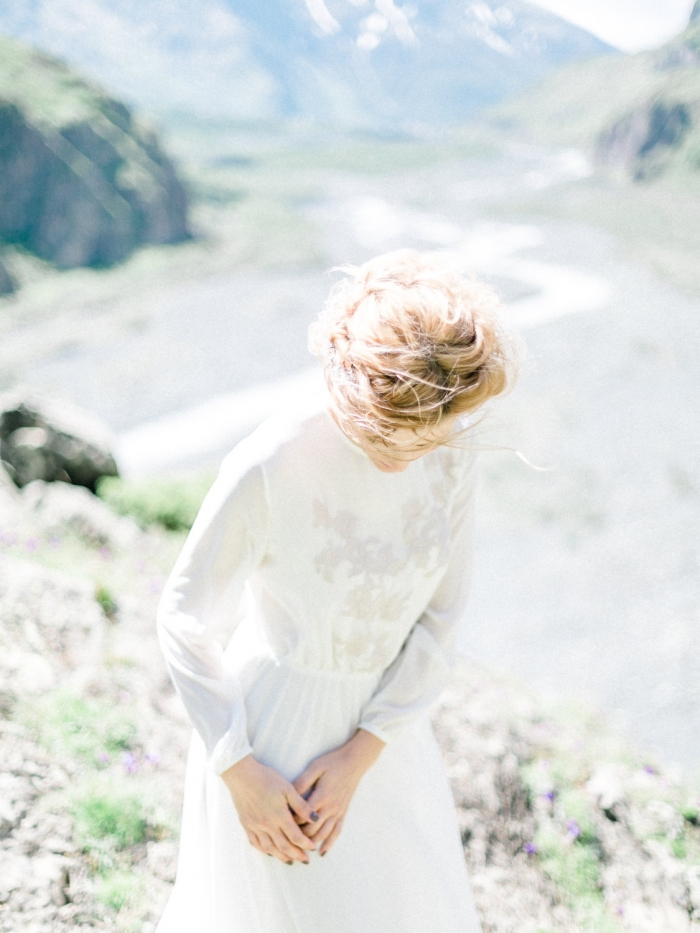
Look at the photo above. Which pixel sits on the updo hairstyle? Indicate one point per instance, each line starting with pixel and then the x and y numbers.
pixel 405 340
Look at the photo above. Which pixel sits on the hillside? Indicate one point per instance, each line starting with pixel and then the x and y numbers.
pixel 81 181
pixel 396 67
pixel 639 112
pixel 565 828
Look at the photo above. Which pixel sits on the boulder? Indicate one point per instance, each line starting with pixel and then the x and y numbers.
pixel 42 439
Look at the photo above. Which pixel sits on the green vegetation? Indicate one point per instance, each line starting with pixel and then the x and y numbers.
pixel 86 729
pixel 573 105
pixel 566 843
pixel 50 92
pixel 119 889
pixel 106 601
pixel 110 815
pixel 169 501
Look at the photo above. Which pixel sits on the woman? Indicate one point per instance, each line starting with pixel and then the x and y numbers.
pixel 315 797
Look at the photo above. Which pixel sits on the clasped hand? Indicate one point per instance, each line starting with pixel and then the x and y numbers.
pixel 288 820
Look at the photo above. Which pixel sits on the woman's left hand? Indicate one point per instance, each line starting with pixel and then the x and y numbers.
pixel 329 783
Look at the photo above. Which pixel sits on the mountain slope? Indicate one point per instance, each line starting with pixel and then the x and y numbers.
pixel 81 183
pixel 366 63
pixel 639 112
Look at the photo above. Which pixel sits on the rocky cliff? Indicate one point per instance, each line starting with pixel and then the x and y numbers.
pixel 81 181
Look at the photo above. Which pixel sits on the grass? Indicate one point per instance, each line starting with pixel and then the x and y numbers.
pixel 80 728
pixel 106 600
pixel 110 816
pixel 119 889
pixel 171 502
pixel 567 843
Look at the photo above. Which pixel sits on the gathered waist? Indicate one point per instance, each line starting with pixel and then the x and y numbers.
pixel 249 648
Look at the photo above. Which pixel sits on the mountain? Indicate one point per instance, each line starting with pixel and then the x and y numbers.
pixel 638 113
pixel 347 63
pixel 81 181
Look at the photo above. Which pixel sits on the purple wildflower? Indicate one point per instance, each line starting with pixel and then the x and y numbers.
pixel 11 539
pixel 104 757
pixel 530 848
pixel 130 763
pixel 54 541
pixel 545 765
pixel 650 769
pixel 155 585
pixel 32 544
pixel 549 794
pixel 152 758
pixel 573 829
pixel 105 552
pixel 620 910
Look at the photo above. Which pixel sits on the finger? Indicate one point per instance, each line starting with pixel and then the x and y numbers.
pixel 320 829
pixel 330 841
pixel 295 836
pixel 272 848
pixel 300 807
pixel 291 852
pixel 254 840
pixel 307 779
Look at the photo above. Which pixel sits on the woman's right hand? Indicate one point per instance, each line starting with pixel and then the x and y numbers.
pixel 266 804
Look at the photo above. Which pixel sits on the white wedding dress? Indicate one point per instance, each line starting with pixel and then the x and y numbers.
pixel 353 583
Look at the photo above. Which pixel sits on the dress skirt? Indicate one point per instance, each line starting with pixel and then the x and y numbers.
pixel 398 864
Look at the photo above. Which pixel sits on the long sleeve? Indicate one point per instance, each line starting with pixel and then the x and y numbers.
pixel 423 666
pixel 226 544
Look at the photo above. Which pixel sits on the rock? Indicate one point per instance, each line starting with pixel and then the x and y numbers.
pixel 62 508
pixel 7 282
pixel 13 518
pixel 43 439
pixel 51 626
pixel 657 818
pixel 641 142
pixel 81 183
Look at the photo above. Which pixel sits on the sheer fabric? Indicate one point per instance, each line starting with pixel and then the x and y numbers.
pixel 337 590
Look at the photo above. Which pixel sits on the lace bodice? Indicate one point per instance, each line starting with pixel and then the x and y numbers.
pixel 349 571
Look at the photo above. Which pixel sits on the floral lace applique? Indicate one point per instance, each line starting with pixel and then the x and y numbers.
pixel 381 576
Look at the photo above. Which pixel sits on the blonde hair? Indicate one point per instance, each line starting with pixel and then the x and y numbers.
pixel 406 340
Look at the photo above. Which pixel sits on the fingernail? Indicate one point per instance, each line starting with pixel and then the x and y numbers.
pixel 290 862
pixel 314 816
pixel 322 854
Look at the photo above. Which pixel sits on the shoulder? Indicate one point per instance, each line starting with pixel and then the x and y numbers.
pixel 288 435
